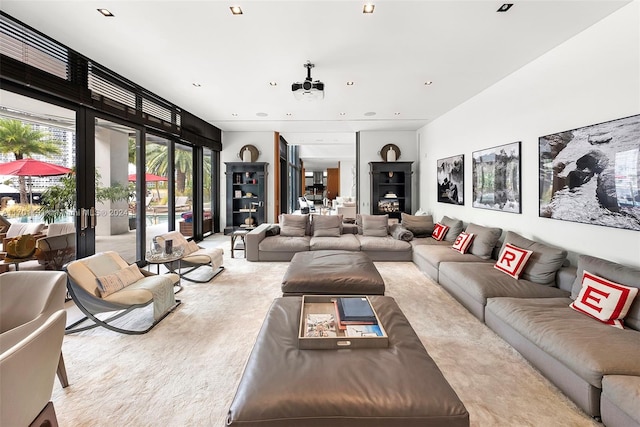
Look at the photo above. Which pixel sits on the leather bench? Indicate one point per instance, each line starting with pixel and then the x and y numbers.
pixel 332 272
pixel 283 386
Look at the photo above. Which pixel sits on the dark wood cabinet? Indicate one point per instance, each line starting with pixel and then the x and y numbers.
pixel 246 195
pixel 390 188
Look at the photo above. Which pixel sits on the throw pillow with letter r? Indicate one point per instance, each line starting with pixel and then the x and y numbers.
pixel 512 260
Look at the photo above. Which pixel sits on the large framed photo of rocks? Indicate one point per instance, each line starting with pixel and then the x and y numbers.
pixel 496 178
pixel 451 180
pixel 592 174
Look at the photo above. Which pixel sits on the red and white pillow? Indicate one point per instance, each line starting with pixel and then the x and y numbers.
pixel 439 230
pixel 462 243
pixel 604 300
pixel 512 260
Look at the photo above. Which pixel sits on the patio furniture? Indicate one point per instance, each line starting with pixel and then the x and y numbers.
pixel 32 319
pixel 194 257
pixel 19 228
pixel 137 288
pixel 181 205
pixel 58 247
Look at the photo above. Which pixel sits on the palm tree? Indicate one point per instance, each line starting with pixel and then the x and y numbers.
pixel 157 164
pixel 23 141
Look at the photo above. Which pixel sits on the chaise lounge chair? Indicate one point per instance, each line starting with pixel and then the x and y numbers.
pixel 194 257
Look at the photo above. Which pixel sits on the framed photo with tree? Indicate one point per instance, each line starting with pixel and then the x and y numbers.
pixel 451 180
pixel 496 178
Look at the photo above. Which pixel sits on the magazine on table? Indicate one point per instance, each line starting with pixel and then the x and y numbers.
pixel 364 331
pixel 320 325
pixel 355 310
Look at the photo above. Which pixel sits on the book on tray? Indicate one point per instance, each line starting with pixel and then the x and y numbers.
pixel 355 310
pixel 363 331
pixel 320 325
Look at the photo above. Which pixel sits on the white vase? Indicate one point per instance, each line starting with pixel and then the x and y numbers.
pixel 391 155
pixel 246 155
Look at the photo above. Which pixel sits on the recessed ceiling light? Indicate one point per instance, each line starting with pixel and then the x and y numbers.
pixel 368 8
pixel 288 114
pixel 106 12
pixel 196 84
pixel 370 113
pixel 343 113
pixel 261 114
pixel 396 113
pixel 236 10
pixel 349 83
pixel 428 83
pixel 505 7
pixel 273 83
pixel 234 114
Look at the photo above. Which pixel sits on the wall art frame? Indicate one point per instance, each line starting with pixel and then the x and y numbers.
pixel 450 178
pixel 496 178
pixel 591 174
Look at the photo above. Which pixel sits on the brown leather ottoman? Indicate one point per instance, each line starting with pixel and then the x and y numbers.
pixel 332 272
pixel 384 387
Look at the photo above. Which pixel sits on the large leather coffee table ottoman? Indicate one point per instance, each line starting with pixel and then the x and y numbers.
pixel 332 272
pixel 398 386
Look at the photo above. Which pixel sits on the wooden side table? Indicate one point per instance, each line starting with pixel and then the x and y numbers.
pixel 241 245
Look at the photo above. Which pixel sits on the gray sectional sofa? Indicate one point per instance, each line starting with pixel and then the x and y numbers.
pixel 594 364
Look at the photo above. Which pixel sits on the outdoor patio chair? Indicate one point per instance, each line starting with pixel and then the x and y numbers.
pixel 58 247
pixel 4 224
pixel 20 228
pixel 106 283
pixel 193 258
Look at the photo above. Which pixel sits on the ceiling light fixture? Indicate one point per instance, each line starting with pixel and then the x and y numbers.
pixel 309 89
pixel 349 83
pixel 236 10
pixel 370 113
pixel 368 8
pixel 343 114
pixel 289 114
pixel 428 83
pixel 106 12
pixel 234 114
pixel 196 84
pixel 273 83
pixel 396 113
pixel 505 7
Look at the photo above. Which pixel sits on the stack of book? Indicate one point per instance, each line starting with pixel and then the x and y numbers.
pixel 356 317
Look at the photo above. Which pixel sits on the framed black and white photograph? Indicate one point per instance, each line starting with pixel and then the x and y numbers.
pixel 496 178
pixel 451 180
pixel 592 174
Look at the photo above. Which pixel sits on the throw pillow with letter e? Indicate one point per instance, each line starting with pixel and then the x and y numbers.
pixel 512 260
pixel 604 300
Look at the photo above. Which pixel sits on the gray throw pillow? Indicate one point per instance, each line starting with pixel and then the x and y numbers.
pixel 375 225
pixel 484 240
pixel 293 225
pixel 419 225
pixel 544 262
pixel 618 273
pixel 455 228
pixel 326 225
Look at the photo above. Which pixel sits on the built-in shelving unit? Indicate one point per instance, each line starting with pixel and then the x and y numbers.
pixel 246 195
pixel 390 188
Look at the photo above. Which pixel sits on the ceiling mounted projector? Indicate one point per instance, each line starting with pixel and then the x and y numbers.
pixel 308 89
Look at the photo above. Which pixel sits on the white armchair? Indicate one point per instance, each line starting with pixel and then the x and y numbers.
pixel 32 322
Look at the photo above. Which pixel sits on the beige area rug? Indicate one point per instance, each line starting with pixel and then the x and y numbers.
pixel 186 370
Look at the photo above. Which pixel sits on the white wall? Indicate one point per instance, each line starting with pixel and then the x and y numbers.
pixel 233 142
pixel 371 142
pixel 347 178
pixel 592 78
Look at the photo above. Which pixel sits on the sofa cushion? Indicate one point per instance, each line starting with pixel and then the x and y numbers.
pixel 512 260
pixel 463 241
pixel 383 244
pixel 544 262
pixel 375 225
pixel 455 228
pixel 345 242
pixel 624 392
pixel 482 281
pixel 435 254
pixel 604 300
pixel 326 225
pixel 586 346
pixel 628 276
pixel 439 231
pixel 419 225
pixel 284 244
pixel 293 225
pixel 484 241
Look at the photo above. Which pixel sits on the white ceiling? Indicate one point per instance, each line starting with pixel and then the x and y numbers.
pixel 463 47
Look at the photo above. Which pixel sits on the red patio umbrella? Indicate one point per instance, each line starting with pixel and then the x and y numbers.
pixel 32 167
pixel 149 177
